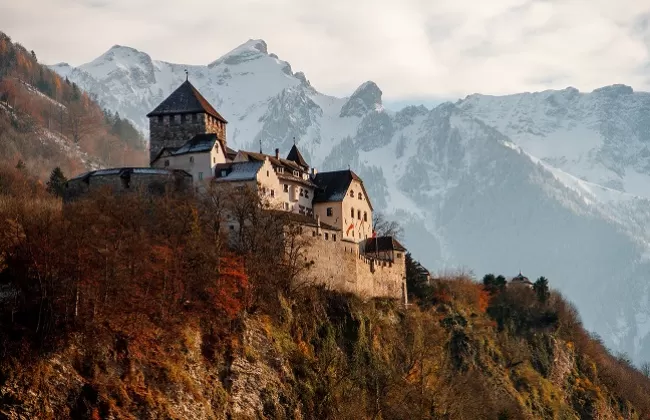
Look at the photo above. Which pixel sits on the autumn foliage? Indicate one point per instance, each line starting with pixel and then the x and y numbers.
pixel 47 121
pixel 129 261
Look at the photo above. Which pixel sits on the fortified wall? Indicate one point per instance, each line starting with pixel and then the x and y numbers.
pixel 340 265
pixel 150 180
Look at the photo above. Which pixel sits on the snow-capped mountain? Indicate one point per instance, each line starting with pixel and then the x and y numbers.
pixel 551 183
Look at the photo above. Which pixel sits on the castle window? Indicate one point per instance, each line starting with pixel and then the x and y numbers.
pixel 286 206
pixel 352 212
pixel 191 159
pixel 286 188
pixel 200 176
pixel 334 237
pixel 360 196
pixel 365 216
pixel 267 173
pixel 296 173
pixel 327 236
pixel 302 194
pixel 167 162
pixel 352 195
pixel 398 255
pixel 313 233
pixel 272 193
pixel 330 211
pixel 214 159
pixel 359 214
pixel 306 193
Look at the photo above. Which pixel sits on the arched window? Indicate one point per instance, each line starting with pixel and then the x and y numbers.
pixel 360 196
pixel 352 212
pixel 365 216
pixel 352 193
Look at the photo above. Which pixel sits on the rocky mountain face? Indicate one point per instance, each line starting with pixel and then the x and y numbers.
pixel 554 183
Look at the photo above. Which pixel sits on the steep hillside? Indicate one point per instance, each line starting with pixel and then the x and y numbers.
pixel 47 121
pixel 454 176
pixel 146 314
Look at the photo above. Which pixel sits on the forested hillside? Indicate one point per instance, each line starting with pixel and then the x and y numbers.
pixel 136 307
pixel 47 121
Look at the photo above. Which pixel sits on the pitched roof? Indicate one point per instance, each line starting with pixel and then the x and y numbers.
pixel 333 186
pixel 279 162
pixel 201 143
pixel 185 100
pixel 295 156
pixel 236 171
pixel 383 243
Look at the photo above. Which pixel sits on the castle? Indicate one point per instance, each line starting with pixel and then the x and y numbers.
pixel 188 146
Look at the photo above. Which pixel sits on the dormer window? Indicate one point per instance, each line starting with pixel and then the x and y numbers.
pixel 296 173
pixel 224 172
pixel 280 170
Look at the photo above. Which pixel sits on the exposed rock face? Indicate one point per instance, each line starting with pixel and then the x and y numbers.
pixel 366 98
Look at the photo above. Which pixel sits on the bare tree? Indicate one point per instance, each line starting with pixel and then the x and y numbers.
pixel 385 227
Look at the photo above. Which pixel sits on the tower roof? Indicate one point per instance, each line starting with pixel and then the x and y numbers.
pixel 333 186
pixel 186 99
pixel 296 156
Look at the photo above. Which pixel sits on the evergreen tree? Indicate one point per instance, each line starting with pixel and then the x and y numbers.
pixel 56 183
pixel 541 289
pixel 417 280
pixel 494 284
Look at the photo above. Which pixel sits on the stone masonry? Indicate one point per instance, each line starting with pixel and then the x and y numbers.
pixel 175 130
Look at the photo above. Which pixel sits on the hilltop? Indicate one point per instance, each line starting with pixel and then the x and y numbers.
pixel 47 121
pixel 148 313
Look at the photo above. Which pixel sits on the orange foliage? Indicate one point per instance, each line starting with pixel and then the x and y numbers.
pixel 229 292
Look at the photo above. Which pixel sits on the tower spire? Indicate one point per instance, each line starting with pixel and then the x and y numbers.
pixel 261 146
pixel 187 75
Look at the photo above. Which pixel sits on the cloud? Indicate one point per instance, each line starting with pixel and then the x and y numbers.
pixel 411 48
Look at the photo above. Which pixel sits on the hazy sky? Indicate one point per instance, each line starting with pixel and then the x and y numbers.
pixel 410 48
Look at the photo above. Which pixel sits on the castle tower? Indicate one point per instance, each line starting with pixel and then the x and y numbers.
pixel 184 114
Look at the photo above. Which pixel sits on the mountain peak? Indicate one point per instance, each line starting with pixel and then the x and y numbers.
pixel 366 98
pixel 249 50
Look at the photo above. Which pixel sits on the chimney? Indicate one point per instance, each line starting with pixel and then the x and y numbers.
pixel 277 153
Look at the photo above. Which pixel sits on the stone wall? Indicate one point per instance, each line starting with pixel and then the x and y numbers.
pixel 175 130
pixel 152 181
pixel 340 266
